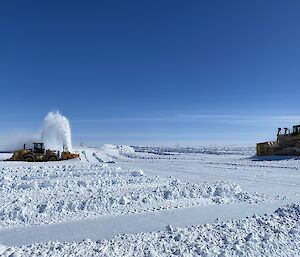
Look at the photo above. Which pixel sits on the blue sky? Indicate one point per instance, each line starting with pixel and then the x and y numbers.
pixel 151 72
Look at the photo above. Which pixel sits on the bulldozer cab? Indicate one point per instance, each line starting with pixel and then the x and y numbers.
pixel 296 129
pixel 38 148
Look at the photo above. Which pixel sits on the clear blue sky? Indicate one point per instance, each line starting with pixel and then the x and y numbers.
pixel 151 71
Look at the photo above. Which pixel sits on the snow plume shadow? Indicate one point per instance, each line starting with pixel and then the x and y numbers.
pixel 56 132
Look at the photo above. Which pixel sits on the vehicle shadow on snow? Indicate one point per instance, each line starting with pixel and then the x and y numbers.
pixel 273 158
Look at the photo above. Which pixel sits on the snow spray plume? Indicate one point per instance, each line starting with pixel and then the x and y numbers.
pixel 15 140
pixel 56 133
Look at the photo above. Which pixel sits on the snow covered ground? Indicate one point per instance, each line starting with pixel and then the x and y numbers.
pixel 276 234
pixel 54 208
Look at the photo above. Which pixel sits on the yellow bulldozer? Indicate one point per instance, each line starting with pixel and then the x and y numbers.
pixel 39 154
pixel 287 143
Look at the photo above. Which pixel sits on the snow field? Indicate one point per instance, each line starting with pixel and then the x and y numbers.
pixel 42 194
pixel 172 178
pixel 215 150
pixel 276 234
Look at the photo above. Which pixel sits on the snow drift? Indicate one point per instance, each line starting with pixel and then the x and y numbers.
pixel 56 132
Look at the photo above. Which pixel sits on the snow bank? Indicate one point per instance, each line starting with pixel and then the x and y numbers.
pixel 117 151
pixel 276 234
pixel 105 154
pixel 56 133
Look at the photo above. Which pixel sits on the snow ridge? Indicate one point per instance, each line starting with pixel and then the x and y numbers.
pixel 276 234
pixel 40 194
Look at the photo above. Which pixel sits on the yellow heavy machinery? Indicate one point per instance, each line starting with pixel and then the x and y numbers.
pixel 39 154
pixel 287 143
